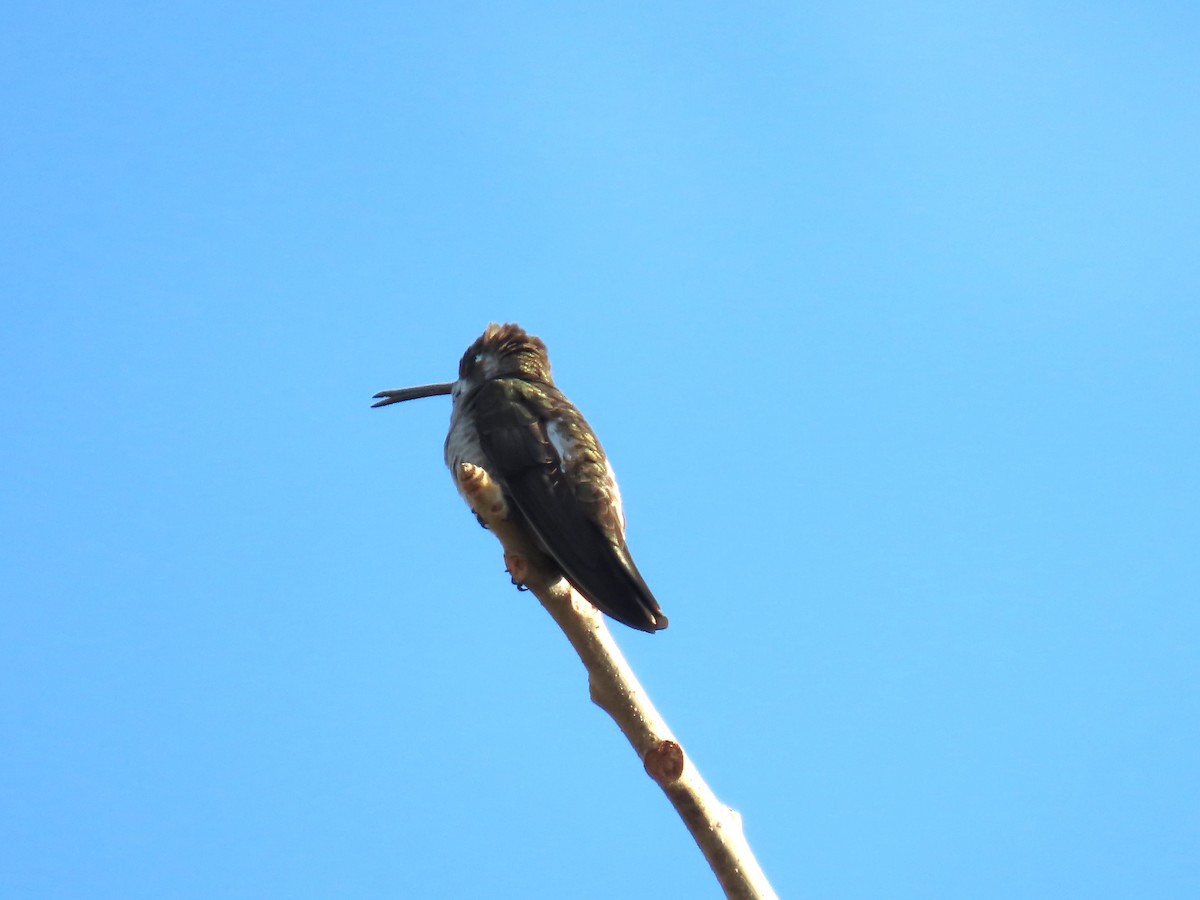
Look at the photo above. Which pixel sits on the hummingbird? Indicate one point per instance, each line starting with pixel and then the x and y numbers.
pixel 509 419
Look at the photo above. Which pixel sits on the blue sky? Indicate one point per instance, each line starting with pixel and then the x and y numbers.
pixel 886 313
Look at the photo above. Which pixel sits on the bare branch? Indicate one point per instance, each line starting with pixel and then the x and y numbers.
pixel 716 828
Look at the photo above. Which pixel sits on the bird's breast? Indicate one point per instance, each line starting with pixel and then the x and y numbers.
pixel 462 443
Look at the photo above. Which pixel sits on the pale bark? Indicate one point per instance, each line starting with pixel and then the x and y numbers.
pixel 716 828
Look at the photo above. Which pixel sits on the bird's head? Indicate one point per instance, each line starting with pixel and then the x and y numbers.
pixel 502 351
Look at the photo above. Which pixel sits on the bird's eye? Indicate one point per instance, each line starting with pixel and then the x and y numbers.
pixel 478 358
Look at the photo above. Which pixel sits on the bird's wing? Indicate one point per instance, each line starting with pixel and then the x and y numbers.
pixel 578 521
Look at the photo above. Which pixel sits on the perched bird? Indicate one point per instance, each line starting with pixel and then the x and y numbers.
pixel 510 420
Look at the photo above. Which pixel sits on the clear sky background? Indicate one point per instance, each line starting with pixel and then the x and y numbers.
pixel 887 314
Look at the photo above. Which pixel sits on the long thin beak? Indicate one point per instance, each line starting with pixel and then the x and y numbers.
pixel 386 398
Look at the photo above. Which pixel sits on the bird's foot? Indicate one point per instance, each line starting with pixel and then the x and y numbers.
pixel 518 568
pixel 526 562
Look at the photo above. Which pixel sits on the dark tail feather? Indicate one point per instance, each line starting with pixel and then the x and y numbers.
pixel 601 570
pixel 619 591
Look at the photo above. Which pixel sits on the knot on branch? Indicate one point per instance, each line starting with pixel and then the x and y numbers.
pixel 664 762
pixel 481 493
